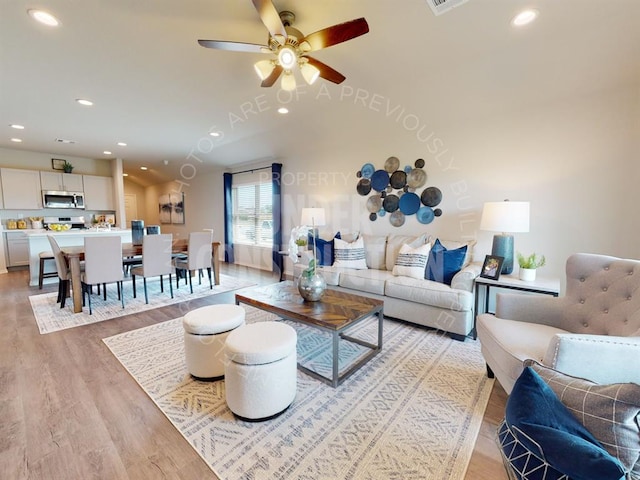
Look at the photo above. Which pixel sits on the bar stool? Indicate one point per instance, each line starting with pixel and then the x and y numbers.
pixel 44 256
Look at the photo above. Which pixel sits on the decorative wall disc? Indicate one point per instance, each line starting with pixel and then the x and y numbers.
pixel 364 186
pixel 425 215
pixel 417 178
pixel 431 196
pixel 379 180
pixel 390 203
pixel 367 170
pixel 374 203
pixel 373 217
pixel 398 179
pixel 396 218
pixel 392 164
pixel 409 203
pixel 419 163
pixel 437 212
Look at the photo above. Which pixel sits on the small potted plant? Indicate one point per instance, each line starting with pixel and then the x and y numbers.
pixel 301 242
pixel 67 167
pixel 529 264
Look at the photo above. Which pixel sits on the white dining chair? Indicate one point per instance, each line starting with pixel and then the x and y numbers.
pixel 64 275
pixel 199 251
pixel 103 265
pixel 156 261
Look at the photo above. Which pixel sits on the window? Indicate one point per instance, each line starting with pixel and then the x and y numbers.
pixel 252 214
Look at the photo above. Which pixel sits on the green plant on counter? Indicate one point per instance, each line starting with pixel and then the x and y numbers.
pixel 531 262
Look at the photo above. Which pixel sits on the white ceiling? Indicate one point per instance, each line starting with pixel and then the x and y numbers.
pixel 157 90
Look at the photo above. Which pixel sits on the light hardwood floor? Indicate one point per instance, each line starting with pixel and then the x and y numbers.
pixel 69 411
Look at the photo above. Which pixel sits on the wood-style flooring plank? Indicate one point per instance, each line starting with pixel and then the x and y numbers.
pixel 70 411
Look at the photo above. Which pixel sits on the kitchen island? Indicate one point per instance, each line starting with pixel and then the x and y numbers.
pixel 38 242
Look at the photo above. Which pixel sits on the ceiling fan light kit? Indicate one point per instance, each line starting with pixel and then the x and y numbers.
pixel 290 48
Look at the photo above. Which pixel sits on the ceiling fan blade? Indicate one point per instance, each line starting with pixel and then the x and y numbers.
pixel 270 17
pixel 326 71
pixel 235 46
pixel 333 35
pixel 271 79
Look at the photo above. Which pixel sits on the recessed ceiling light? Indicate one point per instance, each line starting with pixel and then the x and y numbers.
pixel 82 101
pixel 107 152
pixel 17 127
pixel 122 144
pixel 64 140
pixel 16 140
pixel 524 18
pixel 144 168
pixel 215 134
pixel 283 110
pixel 43 17
pixel 125 174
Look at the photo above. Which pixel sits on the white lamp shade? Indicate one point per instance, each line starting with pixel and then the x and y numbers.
pixel 507 217
pixel 313 216
pixel 309 72
pixel 288 82
pixel 264 68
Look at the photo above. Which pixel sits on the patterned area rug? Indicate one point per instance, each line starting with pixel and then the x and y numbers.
pixel 51 318
pixel 412 412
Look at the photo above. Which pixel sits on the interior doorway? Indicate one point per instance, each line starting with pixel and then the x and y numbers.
pixel 130 208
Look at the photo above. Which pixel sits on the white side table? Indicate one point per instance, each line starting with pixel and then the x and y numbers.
pixel 541 285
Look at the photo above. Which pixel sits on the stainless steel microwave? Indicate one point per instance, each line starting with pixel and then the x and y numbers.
pixel 57 199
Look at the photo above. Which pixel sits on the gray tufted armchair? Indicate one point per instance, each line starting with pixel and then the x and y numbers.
pixel 592 332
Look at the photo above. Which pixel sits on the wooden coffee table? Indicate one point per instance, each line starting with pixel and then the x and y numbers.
pixel 335 312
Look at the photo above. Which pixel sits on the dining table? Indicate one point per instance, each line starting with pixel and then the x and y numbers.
pixel 74 255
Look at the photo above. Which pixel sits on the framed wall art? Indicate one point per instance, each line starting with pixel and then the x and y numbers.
pixel 171 208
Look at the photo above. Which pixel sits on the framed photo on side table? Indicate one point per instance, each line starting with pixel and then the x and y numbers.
pixel 491 267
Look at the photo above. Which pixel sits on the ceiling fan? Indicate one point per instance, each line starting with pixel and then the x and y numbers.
pixel 291 48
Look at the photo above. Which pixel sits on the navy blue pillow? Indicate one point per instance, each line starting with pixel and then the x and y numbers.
pixel 443 264
pixel 547 428
pixel 324 249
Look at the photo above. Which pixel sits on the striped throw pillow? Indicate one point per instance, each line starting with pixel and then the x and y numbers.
pixel 349 255
pixel 411 262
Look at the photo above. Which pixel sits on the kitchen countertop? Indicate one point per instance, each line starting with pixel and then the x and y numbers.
pixel 87 231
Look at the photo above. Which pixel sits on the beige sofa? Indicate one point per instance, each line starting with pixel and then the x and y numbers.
pixel 423 302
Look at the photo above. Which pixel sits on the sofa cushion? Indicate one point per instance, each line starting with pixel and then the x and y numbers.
pixel 411 262
pixel 454 245
pixel 546 427
pixel 443 264
pixel 429 293
pixel 375 248
pixel 610 412
pixel 395 242
pixel 369 281
pixel 349 255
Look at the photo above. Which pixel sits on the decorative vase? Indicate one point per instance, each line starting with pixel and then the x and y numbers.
pixel 527 274
pixel 311 287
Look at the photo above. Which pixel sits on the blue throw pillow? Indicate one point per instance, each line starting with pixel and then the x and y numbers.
pixel 548 429
pixel 324 249
pixel 443 264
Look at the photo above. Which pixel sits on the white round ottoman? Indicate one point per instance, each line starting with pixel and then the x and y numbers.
pixel 260 371
pixel 205 332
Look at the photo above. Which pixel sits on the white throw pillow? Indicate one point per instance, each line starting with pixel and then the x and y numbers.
pixel 411 262
pixel 349 255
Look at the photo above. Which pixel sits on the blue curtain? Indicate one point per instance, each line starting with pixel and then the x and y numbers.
pixel 228 218
pixel 276 185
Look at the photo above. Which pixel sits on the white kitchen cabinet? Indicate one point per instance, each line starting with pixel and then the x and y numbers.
pixel 66 182
pixel 21 189
pixel 98 193
pixel 17 249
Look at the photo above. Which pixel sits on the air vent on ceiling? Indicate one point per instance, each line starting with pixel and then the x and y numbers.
pixel 62 140
pixel 441 6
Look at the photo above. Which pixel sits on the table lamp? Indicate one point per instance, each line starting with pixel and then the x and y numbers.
pixel 505 217
pixel 315 218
